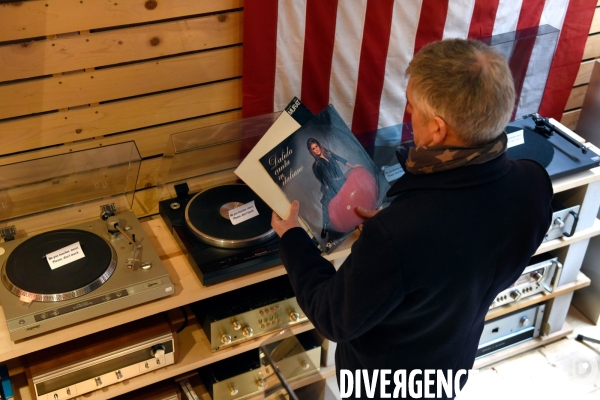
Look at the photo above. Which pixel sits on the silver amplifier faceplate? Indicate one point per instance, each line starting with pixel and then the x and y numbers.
pixel 248 325
pixel 536 278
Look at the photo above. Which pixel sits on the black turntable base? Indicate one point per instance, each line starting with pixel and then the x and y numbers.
pixel 217 249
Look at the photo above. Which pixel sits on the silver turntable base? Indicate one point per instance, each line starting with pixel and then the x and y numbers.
pixel 124 287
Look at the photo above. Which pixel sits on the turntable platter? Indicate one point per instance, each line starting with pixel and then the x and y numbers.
pixel 26 271
pixel 206 216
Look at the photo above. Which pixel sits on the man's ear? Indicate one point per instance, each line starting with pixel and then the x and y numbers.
pixel 438 130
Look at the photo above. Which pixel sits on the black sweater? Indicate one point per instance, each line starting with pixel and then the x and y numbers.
pixel 414 292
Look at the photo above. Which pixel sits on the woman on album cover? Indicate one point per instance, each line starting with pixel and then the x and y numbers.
pixel 329 173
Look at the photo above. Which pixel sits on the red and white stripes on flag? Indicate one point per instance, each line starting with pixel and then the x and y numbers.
pixel 353 53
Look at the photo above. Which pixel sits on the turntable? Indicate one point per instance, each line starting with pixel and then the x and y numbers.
pixel 71 248
pixel 200 199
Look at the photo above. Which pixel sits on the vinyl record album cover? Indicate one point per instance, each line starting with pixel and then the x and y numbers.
pixel 325 168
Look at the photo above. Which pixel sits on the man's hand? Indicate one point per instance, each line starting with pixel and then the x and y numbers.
pixel 281 226
pixel 365 214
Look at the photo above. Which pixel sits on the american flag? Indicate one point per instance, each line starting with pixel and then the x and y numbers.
pixel 353 53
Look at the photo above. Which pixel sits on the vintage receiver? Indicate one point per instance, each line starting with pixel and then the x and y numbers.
pixel 511 329
pixel 248 374
pixel 249 312
pixel 93 362
pixel 541 275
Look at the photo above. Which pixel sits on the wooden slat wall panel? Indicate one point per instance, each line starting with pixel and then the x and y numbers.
pixel 65 91
pixel 36 18
pixel 592 47
pixel 576 97
pixel 585 73
pixel 569 119
pixel 45 57
pixel 591 51
pixel 595 28
pixel 150 142
pixel 63 127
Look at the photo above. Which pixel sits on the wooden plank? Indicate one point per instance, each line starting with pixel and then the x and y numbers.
pixel 150 141
pixel 45 57
pixel 576 97
pixel 28 19
pixel 592 47
pixel 595 27
pixel 570 118
pixel 58 128
pixel 585 72
pixel 66 91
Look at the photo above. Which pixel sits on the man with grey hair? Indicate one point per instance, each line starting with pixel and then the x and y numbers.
pixel 413 294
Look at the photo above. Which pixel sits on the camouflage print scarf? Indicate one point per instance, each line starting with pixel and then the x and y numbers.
pixel 426 160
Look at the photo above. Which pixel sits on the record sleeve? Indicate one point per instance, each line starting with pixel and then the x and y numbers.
pixel 325 168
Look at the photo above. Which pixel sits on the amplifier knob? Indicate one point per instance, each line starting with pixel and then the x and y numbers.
pixel 247 331
pixel 233 390
pixel 225 338
pixel 515 294
pixel 236 325
pixel 158 351
pixel 294 316
pixel 119 374
pixel 98 381
pixel 537 277
pixel 524 321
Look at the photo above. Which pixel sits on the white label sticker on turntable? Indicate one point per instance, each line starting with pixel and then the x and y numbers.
pixel 515 139
pixel 393 172
pixel 65 255
pixel 243 213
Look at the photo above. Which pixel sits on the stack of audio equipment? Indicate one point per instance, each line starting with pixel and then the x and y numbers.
pixel 234 317
pixel 96 361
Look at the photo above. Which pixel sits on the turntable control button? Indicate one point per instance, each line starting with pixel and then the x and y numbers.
pixel 262 326
pixel 21 321
pixel 146 365
pixel 304 364
pixel 277 307
pixel 55 396
pixel 294 316
pixel 119 374
pixel 146 265
pixel 278 321
pixel 225 338
pixel 261 312
pixel 55 312
pixel 44 316
pixel 247 331
pixel 236 325
pixel 98 381
pixel 107 297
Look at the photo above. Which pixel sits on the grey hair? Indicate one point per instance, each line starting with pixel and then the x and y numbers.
pixel 466 83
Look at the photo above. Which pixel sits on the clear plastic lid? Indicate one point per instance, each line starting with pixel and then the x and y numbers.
pixel 208 156
pixel 68 188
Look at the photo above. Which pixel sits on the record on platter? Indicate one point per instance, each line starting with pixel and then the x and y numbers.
pixel 26 272
pixel 207 217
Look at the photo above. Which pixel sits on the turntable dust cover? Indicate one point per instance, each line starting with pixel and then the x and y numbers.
pixel 325 168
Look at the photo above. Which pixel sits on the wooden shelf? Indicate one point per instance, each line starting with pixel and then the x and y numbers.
pixel 582 281
pixel 522 347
